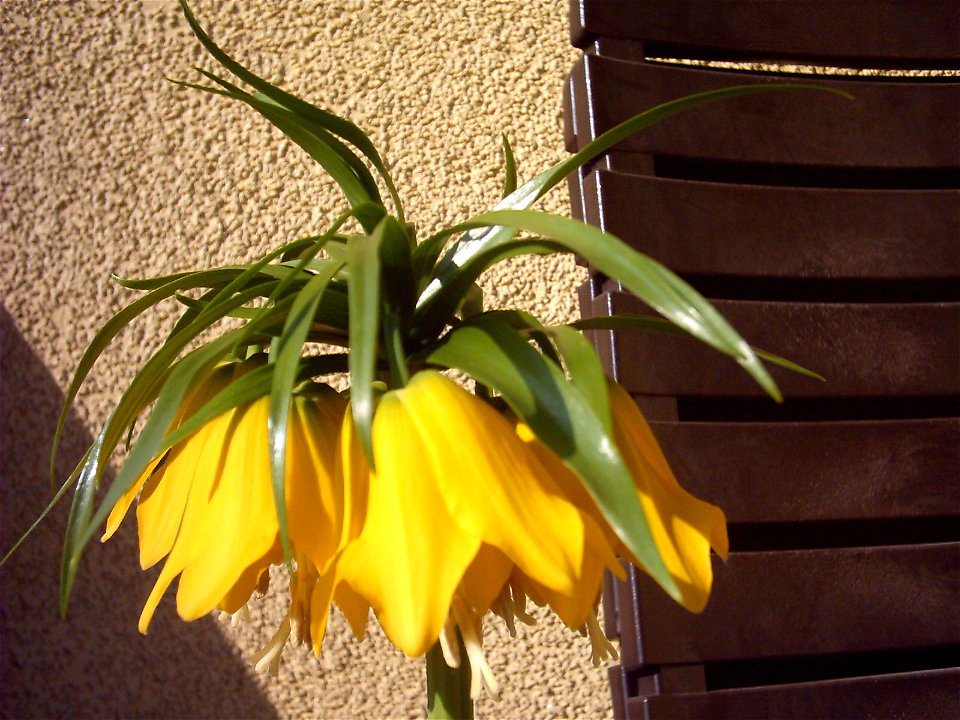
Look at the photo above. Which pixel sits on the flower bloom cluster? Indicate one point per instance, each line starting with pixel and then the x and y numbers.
pixel 465 513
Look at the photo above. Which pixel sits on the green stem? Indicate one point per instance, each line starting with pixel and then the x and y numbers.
pixel 396 357
pixel 448 689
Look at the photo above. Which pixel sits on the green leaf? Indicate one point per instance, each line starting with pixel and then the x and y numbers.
pixel 175 388
pixel 249 387
pixel 572 351
pixel 509 167
pixel 119 321
pixel 343 166
pixel 363 260
pixel 632 321
pixel 154 375
pixel 78 520
pixel 286 361
pixel 430 318
pixel 585 370
pixel 653 283
pixel 280 290
pixel 480 238
pixel 399 287
pixel 66 485
pixel 492 352
pixel 327 120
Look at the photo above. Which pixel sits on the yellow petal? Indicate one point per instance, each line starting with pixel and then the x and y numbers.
pixel 119 510
pixel 411 554
pixel 164 496
pixel 237 596
pixel 239 524
pixel 185 545
pixel 314 497
pixel 684 527
pixel 197 397
pixel 484 579
pixel 354 608
pixel 492 484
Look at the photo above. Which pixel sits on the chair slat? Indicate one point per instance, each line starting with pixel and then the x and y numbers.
pixel 804 602
pixel 905 30
pixel 819 471
pixel 923 695
pixel 779 232
pixel 889 124
pixel 864 350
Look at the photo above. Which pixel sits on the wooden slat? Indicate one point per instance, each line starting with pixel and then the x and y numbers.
pixel 890 124
pixel 779 232
pixel 803 602
pixel 925 695
pixel 819 471
pixel 864 350
pixel 905 30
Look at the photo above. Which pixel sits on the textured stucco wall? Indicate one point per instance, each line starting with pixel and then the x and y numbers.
pixel 106 167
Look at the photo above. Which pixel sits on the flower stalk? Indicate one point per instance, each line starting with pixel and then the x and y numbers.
pixel 448 689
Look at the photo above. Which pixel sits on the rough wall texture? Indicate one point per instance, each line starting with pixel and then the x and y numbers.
pixel 106 167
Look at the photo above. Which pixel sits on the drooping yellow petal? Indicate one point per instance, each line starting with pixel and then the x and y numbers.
pixel 684 527
pixel 354 608
pixel 314 496
pixel 411 554
pixel 211 453
pixel 164 496
pixel 120 508
pixel 492 485
pixel 484 579
pixel 196 399
pixel 238 595
pixel 239 524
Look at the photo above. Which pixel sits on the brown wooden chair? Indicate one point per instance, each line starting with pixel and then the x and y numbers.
pixel 827 231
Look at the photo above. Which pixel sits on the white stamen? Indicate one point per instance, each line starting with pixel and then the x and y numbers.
pixel 481 676
pixel 449 644
pixel 241 615
pixel 602 649
pixel 268 659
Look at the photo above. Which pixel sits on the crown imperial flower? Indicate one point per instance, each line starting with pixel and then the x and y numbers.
pixel 431 505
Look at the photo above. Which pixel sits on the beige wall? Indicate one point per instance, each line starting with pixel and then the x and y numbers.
pixel 106 167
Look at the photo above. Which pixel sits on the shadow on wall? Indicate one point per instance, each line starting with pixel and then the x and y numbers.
pixel 94 663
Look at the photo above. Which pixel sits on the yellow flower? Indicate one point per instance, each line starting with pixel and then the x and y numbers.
pixel 458 503
pixel 207 507
pixel 466 513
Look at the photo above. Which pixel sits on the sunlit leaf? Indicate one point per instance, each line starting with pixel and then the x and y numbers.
pixel 335 124
pixel 646 278
pixel 479 239
pixel 537 391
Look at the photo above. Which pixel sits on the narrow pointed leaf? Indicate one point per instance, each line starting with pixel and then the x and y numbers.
pixel 632 321
pixel 509 168
pixel 119 321
pixel 285 359
pixel 363 260
pixel 646 278
pixel 585 371
pixel 335 124
pixel 337 159
pixel 83 526
pixel 481 238
pixel 78 520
